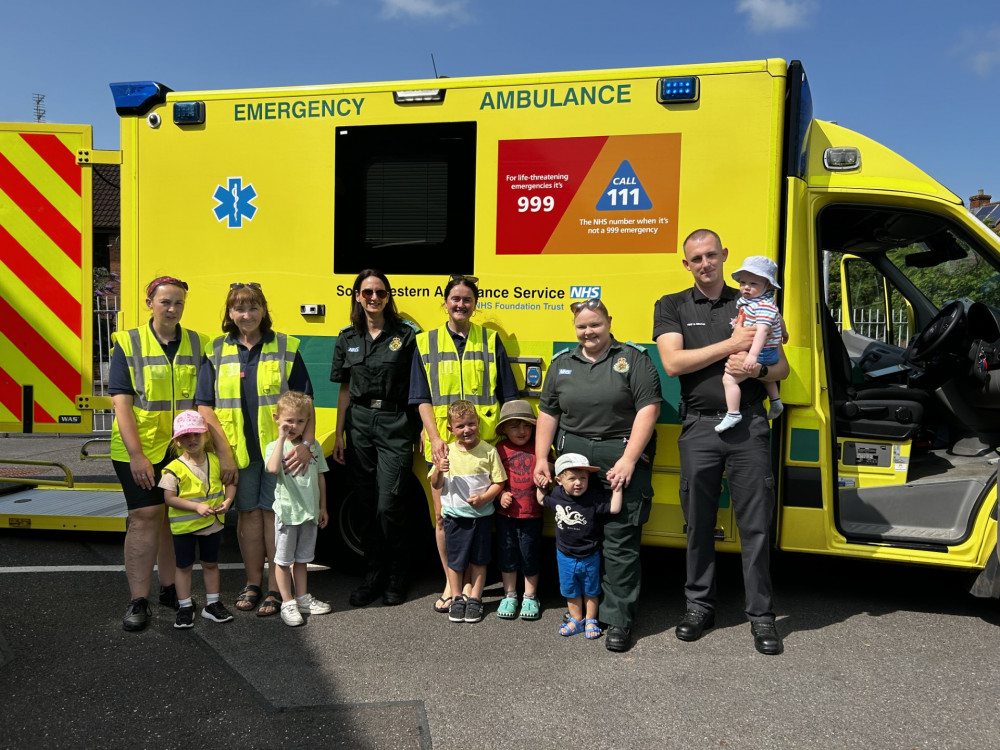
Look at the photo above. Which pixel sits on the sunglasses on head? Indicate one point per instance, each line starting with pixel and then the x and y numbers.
pixel 594 303
pixel 240 285
pixel 369 293
pixel 458 278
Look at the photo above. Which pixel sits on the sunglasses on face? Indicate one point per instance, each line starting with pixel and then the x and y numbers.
pixel 369 293
pixel 591 304
pixel 240 285
pixel 458 278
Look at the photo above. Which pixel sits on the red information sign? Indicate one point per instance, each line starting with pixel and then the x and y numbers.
pixel 604 194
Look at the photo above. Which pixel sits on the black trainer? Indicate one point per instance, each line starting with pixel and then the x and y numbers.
pixel 168 597
pixel 185 617
pixel 137 615
pixel 369 590
pixel 216 612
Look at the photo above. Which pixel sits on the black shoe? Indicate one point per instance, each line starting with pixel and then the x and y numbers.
pixel 694 625
pixel 185 617
pixel 617 638
pixel 766 638
pixel 137 615
pixel 369 590
pixel 395 590
pixel 168 597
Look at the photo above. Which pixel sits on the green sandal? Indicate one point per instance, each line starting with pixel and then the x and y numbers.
pixel 529 608
pixel 508 606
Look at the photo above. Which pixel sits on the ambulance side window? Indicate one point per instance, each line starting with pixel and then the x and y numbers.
pixel 404 199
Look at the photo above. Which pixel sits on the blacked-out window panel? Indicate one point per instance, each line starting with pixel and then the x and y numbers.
pixel 405 198
pixel 406 202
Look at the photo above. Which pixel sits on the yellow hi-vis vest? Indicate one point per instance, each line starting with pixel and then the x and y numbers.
pixel 473 377
pixel 190 487
pixel 163 389
pixel 273 370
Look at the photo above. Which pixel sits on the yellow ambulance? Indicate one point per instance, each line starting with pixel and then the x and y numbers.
pixel 565 186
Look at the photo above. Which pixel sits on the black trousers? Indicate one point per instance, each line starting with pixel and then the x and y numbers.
pixel 379 453
pixel 744 452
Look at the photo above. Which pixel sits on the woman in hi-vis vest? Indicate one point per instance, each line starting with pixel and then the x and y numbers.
pixel 459 360
pixel 244 372
pixel 152 378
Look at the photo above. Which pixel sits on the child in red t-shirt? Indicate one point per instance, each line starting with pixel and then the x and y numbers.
pixel 518 516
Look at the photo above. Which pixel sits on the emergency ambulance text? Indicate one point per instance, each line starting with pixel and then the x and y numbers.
pixel 297 110
pixel 574 96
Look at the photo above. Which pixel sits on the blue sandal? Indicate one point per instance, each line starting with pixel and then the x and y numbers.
pixel 570 627
pixel 593 630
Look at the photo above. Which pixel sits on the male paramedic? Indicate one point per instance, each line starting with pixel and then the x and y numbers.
pixel 694 335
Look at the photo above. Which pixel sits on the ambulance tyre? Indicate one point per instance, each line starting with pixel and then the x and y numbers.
pixel 339 544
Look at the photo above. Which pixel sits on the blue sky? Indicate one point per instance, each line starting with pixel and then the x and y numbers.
pixel 915 75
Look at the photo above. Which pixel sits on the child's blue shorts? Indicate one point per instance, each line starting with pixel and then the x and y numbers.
pixel 768 356
pixel 467 540
pixel 579 576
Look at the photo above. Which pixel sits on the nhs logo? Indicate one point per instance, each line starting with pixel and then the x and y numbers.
pixel 584 292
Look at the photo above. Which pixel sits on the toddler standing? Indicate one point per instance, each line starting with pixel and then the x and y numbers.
pixel 299 509
pixel 470 476
pixel 194 493
pixel 576 504
pixel 518 515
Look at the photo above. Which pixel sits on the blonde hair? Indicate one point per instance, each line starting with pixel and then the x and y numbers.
pixel 295 401
pixel 461 408
pixel 178 450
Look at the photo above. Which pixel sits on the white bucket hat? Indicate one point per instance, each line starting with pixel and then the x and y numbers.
pixel 759 265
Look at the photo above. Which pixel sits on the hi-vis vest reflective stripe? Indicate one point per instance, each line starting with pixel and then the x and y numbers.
pixel 162 389
pixel 472 378
pixel 191 488
pixel 273 370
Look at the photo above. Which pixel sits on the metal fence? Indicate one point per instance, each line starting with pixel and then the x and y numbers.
pixel 105 323
pixel 871 323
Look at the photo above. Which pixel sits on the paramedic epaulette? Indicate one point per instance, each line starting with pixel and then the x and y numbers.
pixel 636 346
pixel 559 354
pixel 411 324
pixel 347 328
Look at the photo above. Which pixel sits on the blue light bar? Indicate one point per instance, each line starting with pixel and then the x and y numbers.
pixel 677 90
pixel 138 97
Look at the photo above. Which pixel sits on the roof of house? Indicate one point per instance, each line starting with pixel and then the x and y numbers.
pixel 990 211
pixel 106 197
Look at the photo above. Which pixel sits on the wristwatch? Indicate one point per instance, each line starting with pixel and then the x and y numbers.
pixel 308 445
pixel 763 371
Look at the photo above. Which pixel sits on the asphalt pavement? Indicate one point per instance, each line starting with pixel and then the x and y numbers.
pixel 876 656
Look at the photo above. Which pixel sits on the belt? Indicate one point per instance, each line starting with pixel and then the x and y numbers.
pixel 380 404
pixel 687 411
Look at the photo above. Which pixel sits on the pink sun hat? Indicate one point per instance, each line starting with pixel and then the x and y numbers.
pixel 187 422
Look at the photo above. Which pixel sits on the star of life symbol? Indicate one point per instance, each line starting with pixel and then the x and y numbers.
pixel 235 203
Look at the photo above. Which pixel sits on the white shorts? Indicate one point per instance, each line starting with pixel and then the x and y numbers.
pixel 294 544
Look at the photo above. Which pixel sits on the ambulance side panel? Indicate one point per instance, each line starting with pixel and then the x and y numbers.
pixel 559 187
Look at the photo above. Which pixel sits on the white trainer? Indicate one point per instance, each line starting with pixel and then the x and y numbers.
pixel 290 614
pixel 310 605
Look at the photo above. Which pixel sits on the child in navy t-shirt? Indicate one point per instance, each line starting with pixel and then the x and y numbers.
pixel 576 505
